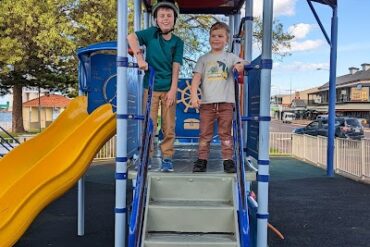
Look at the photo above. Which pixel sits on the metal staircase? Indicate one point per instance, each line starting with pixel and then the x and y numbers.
pixel 190 210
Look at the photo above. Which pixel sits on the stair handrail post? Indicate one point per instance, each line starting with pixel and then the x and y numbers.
pixel 238 152
pixel 137 215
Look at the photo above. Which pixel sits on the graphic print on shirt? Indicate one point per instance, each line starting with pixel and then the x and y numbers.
pixel 216 71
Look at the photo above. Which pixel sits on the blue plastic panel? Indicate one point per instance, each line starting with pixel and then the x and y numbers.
pixel 254 85
pixel 187 118
pixel 101 87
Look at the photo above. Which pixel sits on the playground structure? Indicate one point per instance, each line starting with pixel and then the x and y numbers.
pixel 114 95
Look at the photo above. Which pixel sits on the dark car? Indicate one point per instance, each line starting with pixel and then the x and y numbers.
pixel 345 127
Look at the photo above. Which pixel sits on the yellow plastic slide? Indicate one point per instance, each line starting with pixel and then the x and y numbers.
pixel 45 167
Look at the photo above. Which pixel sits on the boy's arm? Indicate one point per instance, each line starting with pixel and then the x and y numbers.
pixel 135 47
pixel 195 82
pixel 171 94
pixel 239 66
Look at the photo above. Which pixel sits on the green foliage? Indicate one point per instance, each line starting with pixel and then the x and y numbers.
pixel 36 44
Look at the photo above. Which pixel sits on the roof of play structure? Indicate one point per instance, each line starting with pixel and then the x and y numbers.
pixel 225 7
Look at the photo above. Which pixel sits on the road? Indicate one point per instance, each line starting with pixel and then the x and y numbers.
pixel 279 126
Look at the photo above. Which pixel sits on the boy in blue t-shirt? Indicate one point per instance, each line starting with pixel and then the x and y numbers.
pixel 164 52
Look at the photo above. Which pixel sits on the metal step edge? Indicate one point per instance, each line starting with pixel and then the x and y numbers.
pixel 211 239
pixel 190 204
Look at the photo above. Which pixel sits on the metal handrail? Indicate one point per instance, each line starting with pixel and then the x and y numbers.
pixel 5 143
pixel 137 215
pixel 238 153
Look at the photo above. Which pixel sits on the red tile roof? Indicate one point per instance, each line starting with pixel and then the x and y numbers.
pixel 52 100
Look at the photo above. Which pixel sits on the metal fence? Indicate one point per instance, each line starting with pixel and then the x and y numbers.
pixel 351 158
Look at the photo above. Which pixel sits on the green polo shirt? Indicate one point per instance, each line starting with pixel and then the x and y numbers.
pixel 160 54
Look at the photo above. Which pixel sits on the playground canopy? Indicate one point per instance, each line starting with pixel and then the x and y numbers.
pixel 225 7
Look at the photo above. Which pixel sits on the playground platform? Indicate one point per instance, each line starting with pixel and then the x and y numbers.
pixel 307 207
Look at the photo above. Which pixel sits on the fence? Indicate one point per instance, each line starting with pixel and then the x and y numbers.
pixel 351 158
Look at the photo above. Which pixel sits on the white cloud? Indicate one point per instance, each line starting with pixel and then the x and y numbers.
pixel 281 7
pixel 300 66
pixel 300 30
pixel 303 46
pixel 307 45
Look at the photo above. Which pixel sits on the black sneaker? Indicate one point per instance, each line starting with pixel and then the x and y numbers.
pixel 200 166
pixel 229 166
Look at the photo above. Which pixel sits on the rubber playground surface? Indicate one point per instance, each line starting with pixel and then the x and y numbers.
pixel 307 207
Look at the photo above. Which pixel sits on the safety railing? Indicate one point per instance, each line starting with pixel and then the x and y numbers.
pixel 137 214
pixel 7 141
pixel 238 153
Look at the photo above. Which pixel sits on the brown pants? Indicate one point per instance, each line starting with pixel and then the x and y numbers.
pixel 223 113
pixel 167 122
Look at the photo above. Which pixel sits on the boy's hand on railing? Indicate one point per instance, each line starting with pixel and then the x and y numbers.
pixel 143 65
pixel 239 67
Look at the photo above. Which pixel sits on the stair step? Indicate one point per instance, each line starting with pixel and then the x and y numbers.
pixel 189 203
pixel 204 217
pixel 190 187
pixel 158 239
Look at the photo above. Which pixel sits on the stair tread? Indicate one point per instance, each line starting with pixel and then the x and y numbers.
pixel 190 203
pixel 190 237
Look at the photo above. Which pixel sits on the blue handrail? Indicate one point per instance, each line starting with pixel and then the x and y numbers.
pixel 137 215
pixel 238 152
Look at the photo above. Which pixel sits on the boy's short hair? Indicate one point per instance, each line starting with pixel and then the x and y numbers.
pixel 220 25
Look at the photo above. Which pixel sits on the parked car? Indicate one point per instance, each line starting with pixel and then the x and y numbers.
pixel 288 117
pixel 345 127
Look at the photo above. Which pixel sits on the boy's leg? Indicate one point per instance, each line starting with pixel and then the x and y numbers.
pixel 207 119
pixel 168 127
pixel 153 115
pixel 224 130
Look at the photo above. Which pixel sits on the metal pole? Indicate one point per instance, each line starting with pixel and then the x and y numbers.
pixel 81 207
pixel 81 183
pixel 264 125
pixel 146 20
pixel 236 30
pixel 39 108
pixel 121 156
pixel 247 56
pixel 332 93
pixel 231 27
pixel 140 75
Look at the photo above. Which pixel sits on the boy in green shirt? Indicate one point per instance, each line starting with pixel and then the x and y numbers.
pixel 164 52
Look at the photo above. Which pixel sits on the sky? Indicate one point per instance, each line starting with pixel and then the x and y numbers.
pixel 308 64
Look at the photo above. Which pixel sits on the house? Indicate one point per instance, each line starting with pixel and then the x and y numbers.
pixel 39 113
pixel 352 94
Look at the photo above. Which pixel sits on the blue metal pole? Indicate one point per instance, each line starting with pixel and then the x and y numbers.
pixel 121 156
pixel 264 126
pixel 332 93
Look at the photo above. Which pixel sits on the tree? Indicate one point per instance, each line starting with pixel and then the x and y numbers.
pixel 39 39
pixel 36 49
pixel 194 30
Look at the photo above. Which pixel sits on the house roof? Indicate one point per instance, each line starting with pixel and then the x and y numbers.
pixel 51 100
pixel 359 76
